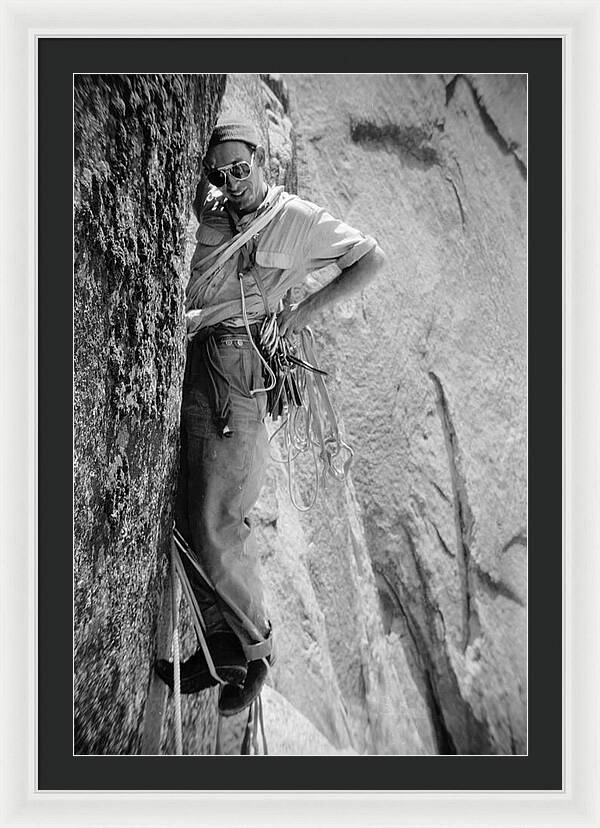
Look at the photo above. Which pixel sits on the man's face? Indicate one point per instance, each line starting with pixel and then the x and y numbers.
pixel 245 195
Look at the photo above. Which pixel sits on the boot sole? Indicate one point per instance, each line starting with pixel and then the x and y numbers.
pixel 244 701
pixel 230 675
pixel 203 680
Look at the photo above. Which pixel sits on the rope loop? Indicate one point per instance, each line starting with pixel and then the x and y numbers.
pixel 254 723
pixel 300 399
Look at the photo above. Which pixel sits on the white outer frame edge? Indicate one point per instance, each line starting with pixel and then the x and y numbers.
pixel 578 22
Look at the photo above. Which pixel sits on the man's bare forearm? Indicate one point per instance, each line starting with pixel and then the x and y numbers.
pixel 351 280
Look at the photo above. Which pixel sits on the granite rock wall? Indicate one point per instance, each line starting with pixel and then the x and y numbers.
pixel 138 140
pixel 429 369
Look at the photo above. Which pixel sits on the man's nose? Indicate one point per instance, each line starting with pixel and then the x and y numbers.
pixel 231 182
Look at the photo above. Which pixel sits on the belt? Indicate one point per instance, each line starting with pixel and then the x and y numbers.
pixel 220 330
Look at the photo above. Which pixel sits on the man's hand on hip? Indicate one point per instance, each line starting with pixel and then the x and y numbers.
pixel 293 319
pixel 351 280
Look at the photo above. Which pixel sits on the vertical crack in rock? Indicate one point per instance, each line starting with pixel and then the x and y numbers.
pixel 506 147
pixel 460 206
pixel 440 491
pixel 280 134
pixel 513 746
pixel 463 516
pixel 406 595
pixel 278 87
pixel 445 549
pixel 450 86
pixel 422 667
pixel 445 742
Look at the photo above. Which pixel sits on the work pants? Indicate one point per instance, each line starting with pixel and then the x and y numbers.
pixel 220 478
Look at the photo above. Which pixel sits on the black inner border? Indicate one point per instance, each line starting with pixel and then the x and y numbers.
pixel 58 59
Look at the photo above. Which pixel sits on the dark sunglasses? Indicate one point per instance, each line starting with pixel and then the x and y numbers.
pixel 239 171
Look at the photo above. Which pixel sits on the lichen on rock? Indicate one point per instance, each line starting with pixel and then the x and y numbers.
pixel 138 141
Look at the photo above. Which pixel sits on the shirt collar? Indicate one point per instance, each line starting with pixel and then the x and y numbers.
pixel 242 221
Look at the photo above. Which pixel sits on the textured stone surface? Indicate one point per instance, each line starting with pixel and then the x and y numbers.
pixel 137 143
pixel 435 351
pixel 287 732
pixel 335 663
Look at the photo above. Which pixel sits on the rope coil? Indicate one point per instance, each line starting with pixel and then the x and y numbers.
pixel 309 423
pixel 296 393
pixel 254 724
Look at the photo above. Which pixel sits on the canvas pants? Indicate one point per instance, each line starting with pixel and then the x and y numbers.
pixel 220 478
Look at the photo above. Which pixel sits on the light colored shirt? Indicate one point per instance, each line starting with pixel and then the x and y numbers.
pixel 301 238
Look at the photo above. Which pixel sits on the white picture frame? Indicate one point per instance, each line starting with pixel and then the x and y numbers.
pixel 578 804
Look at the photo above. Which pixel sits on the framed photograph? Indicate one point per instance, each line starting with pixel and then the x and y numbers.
pixel 437 651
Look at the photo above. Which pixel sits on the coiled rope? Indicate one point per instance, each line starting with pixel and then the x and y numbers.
pixel 255 723
pixel 296 393
pixel 309 423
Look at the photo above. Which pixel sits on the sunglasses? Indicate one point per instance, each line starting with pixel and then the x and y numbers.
pixel 239 171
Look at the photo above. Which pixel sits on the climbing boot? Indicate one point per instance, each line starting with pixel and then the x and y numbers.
pixel 234 699
pixel 228 658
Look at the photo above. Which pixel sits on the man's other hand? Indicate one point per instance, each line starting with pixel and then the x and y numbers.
pixel 293 319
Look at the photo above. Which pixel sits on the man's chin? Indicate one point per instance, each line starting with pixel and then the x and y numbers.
pixel 244 205
pixel 238 202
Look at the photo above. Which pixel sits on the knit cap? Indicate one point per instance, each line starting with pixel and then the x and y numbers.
pixel 234 132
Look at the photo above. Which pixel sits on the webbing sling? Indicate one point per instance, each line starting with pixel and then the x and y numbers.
pixel 259 650
pixel 178 575
pixel 179 545
pixel 223 253
pixel 253 651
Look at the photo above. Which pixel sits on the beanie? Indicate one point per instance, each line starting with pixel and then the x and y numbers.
pixel 234 132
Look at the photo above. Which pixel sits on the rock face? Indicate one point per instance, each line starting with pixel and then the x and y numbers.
pixel 288 732
pixel 435 351
pixel 399 599
pixel 138 140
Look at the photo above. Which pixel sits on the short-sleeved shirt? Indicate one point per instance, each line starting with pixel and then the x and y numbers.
pixel 301 238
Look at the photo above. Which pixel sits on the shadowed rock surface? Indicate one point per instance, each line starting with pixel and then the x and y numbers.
pixel 137 145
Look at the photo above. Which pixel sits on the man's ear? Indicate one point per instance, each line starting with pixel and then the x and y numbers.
pixel 260 155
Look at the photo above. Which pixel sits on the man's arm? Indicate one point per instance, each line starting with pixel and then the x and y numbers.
pixel 351 280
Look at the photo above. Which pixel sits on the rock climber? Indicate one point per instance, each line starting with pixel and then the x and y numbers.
pixel 254 243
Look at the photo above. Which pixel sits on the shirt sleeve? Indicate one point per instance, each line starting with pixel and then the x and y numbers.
pixel 330 240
